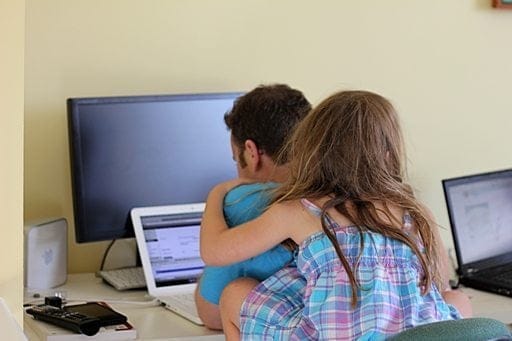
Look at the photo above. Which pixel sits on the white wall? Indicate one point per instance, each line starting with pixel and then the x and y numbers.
pixel 12 28
pixel 444 63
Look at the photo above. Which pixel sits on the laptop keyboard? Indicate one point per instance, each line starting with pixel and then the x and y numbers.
pixel 184 302
pixel 125 278
pixel 184 305
pixel 504 277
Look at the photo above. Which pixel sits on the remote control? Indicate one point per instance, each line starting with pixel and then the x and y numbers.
pixel 79 323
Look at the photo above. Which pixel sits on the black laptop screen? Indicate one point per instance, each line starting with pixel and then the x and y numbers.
pixel 480 212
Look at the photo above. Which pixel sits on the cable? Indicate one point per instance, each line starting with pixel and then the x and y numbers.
pixel 454 283
pixel 105 254
pixel 148 303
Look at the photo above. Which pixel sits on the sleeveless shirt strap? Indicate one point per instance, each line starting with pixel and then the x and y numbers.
pixel 407 221
pixel 315 210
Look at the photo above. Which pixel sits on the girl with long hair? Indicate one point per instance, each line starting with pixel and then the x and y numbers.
pixel 368 258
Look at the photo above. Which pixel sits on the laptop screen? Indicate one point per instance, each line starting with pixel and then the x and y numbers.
pixel 480 211
pixel 172 241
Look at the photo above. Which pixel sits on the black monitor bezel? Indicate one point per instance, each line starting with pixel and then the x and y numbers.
pixel 455 181
pixel 76 162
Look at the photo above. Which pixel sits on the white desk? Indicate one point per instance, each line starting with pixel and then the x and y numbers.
pixel 152 322
pixel 156 322
pixel 486 304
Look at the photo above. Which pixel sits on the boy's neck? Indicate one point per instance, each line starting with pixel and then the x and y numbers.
pixel 273 174
pixel 280 174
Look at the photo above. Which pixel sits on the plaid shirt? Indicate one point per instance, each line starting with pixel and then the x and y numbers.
pixel 312 299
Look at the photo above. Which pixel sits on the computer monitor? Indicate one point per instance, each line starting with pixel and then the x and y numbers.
pixel 144 151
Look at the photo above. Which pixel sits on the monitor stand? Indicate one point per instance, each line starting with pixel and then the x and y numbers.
pixel 123 254
pixel 122 268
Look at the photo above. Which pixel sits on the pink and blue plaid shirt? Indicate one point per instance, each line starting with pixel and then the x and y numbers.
pixel 311 300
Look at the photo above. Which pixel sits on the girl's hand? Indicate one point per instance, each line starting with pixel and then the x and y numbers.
pixel 215 239
pixel 213 221
pixel 219 191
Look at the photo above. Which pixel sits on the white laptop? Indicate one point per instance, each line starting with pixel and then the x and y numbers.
pixel 168 242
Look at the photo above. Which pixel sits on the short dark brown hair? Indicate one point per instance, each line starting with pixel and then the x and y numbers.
pixel 267 115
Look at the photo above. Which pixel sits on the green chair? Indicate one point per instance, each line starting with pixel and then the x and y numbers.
pixel 470 329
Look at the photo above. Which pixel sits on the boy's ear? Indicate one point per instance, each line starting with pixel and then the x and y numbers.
pixel 253 155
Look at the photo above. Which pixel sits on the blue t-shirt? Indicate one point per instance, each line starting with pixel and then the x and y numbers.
pixel 241 204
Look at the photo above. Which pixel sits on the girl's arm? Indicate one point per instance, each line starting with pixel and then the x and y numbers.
pixel 221 245
pixel 444 261
pixel 445 266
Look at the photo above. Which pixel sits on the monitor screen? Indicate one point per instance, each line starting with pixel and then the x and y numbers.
pixel 172 241
pixel 144 151
pixel 480 212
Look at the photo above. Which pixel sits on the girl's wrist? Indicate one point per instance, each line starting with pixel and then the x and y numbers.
pixel 220 191
pixel 224 187
pixel 215 198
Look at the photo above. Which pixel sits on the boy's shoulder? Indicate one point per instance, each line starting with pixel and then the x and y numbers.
pixel 247 201
pixel 251 189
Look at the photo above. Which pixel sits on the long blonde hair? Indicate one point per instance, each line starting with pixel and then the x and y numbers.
pixel 350 149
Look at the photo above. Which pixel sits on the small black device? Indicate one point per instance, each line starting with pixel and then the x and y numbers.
pixel 76 322
pixel 54 301
pixel 104 313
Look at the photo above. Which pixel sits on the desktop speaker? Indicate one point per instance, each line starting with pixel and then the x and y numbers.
pixel 46 254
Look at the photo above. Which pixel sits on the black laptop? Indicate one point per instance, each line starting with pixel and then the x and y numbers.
pixel 480 212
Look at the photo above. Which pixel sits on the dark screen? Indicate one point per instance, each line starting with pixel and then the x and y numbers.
pixel 144 151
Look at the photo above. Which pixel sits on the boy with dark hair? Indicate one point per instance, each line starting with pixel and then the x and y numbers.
pixel 260 123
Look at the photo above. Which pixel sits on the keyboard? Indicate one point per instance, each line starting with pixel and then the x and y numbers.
pixel 125 278
pixel 183 304
pixel 504 277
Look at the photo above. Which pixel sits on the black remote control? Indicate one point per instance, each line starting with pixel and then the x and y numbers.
pixel 79 323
